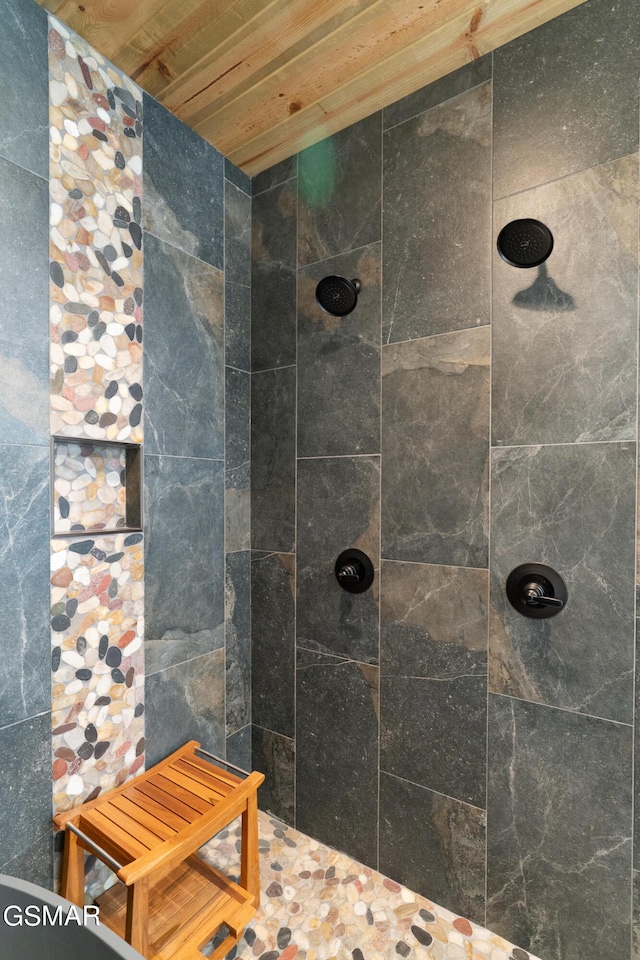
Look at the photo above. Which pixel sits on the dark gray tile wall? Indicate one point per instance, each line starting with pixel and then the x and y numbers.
pixel 26 847
pixel 511 445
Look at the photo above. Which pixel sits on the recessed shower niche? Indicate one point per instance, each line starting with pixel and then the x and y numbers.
pixel 96 487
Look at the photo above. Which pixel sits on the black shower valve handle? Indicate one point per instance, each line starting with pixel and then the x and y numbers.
pixel 533 594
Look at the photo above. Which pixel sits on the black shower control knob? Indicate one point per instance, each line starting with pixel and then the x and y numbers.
pixel 354 571
pixel 536 590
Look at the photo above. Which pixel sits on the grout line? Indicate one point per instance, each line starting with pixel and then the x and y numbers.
pixel 343 253
pixel 181 663
pixel 563 443
pixel 551 706
pixel 489 492
pixel 441 103
pixel 174 456
pixel 343 456
pixel 426 563
pixel 634 838
pixel 45 179
pixel 343 658
pixel 226 179
pixel 229 366
pixel 379 557
pixel 288 366
pixel 276 734
pixel 34 716
pixel 432 336
pixel 273 186
pixel 545 183
pixel 439 793
pixel 186 253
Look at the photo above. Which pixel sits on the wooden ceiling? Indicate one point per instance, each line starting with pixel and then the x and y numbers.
pixel 261 79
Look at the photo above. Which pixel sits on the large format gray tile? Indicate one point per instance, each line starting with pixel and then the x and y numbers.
pixel 338 507
pixel 561 371
pixel 566 95
pixel 24 306
pixel 339 361
pixel 559 832
pixel 183 354
pixel 186 702
pixel 437 219
pixel 273 278
pixel 435 447
pixel 237 277
pixel 25 678
pixel 572 507
pixel 337 774
pixel 183 186
pixel 452 85
pixel 273 657
pixel 184 577
pixel 24 86
pixel 25 790
pixel 238 641
pixel 273 459
pixel 433 677
pixel 340 186
pixel 237 463
pixel 434 845
pixel 274 755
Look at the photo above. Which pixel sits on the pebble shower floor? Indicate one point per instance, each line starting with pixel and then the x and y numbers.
pixel 318 904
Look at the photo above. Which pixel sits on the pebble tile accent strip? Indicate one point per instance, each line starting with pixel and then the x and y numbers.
pixel 96 258
pixel 89 489
pixel 97 663
pixel 318 904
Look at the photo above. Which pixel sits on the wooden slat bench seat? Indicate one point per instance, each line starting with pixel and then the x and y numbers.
pixel 169 903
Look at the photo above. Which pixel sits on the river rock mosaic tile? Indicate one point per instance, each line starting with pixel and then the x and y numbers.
pixel 97 663
pixel 95 168
pixel 91 490
pixel 319 904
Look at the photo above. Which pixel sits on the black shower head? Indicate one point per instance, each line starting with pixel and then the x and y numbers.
pixel 525 243
pixel 337 296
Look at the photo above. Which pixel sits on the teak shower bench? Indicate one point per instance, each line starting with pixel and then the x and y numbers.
pixel 148 832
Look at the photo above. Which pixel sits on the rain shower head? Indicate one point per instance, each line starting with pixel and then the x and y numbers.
pixel 337 296
pixel 525 243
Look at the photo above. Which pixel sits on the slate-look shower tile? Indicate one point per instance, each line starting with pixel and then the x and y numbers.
pixel 572 507
pixel 237 176
pixel 24 86
pixel 273 658
pixel 336 773
pixel 273 459
pixel 239 748
pixel 559 831
pixel 184 586
pixel 433 677
pixel 35 862
pixel 186 702
pixel 274 755
pixel 564 334
pixel 25 679
pixel 183 186
pixel 635 918
pixel 437 219
pixel 237 465
pixel 566 95
pixel 450 86
pixel 339 181
pixel 25 811
pixel 435 448
pixel 237 278
pixel 433 845
pixel 183 354
pixel 338 507
pixel 24 307
pixel 278 173
pixel 339 361
pixel 273 278
pixel 238 641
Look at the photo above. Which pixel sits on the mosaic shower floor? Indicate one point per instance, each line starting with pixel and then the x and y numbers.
pixel 318 904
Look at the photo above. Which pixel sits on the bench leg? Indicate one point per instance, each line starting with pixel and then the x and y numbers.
pixel 250 869
pixel 137 927
pixel 73 870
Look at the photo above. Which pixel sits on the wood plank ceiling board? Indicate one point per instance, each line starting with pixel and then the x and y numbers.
pixel 262 79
